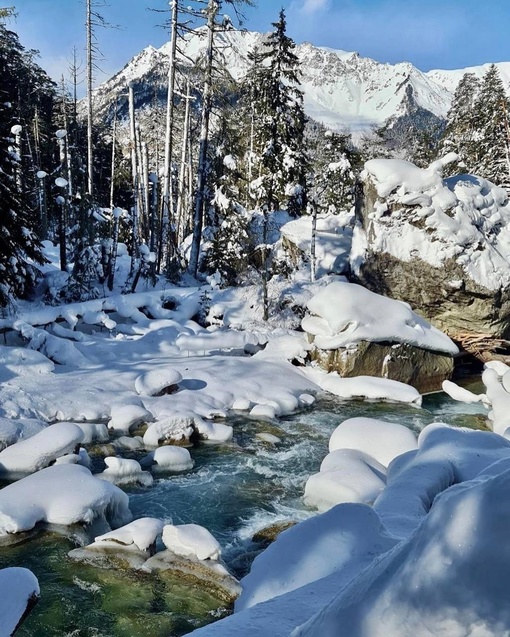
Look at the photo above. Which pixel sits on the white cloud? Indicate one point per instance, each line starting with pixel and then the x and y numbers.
pixel 313 6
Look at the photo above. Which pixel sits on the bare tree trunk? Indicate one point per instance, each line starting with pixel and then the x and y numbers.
pixel 265 274
pixel 313 258
pixel 181 203
pixel 135 177
pixel 198 216
pixel 165 252
pixel 112 262
pixel 90 162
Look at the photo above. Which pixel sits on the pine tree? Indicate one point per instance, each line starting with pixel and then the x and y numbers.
pixel 492 139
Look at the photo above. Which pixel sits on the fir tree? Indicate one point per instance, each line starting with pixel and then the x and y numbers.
pixel 492 143
pixel 460 127
pixel 283 162
pixel 19 245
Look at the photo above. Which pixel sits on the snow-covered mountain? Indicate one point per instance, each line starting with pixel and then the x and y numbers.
pixel 341 89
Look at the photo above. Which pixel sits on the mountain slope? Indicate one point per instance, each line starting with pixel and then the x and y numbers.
pixel 341 89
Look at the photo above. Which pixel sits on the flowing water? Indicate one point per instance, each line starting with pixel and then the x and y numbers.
pixel 233 490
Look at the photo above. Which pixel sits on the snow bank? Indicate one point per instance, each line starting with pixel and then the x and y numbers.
pixel 191 541
pixel 344 540
pixel 345 313
pixel 445 455
pixel 62 494
pixel 449 578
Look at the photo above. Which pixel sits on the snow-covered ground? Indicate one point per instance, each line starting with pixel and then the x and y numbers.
pixel 141 367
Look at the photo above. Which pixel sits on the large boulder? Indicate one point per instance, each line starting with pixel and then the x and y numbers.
pixel 356 332
pixel 440 245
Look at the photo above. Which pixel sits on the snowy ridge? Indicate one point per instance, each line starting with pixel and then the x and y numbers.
pixel 341 88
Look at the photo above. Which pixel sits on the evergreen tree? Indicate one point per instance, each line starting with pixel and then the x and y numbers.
pixel 491 138
pixel 335 172
pixel 19 245
pixel 460 127
pixel 283 162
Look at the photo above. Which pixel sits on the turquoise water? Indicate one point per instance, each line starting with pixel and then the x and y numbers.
pixel 233 490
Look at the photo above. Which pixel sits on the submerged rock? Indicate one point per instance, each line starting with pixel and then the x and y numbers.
pixel 209 574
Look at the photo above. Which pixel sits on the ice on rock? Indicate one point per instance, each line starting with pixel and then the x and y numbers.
pixel 40 450
pixel 121 471
pixel 125 417
pixel 346 475
pixel 62 494
pixel 155 381
pixel 169 458
pixel 379 439
pixel 191 541
pixel 345 313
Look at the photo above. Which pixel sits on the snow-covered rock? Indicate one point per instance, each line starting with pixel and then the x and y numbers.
pixel 155 381
pixel 346 475
pixel 62 494
pixel 125 471
pixel 452 234
pixel 169 459
pixel 19 592
pixel 356 332
pixel 126 417
pixel 192 541
pixel 379 439
pixel 40 450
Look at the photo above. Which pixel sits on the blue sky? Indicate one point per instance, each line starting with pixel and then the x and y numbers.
pixel 428 33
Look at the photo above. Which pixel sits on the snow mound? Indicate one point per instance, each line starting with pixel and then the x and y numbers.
pixel 155 381
pixel 125 417
pixel 125 471
pixel 346 475
pixel 141 534
pixel 62 494
pixel 345 313
pixel 379 439
pixel 39 451
pixel 169 458
pixel 192 541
